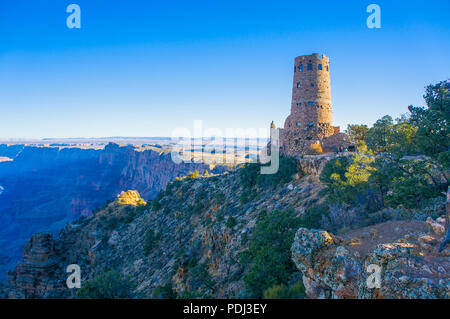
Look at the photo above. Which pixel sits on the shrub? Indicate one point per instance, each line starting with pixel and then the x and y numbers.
pixel 296 291
pixel 246 196
pixel 164 292
pixel 130 216
pixel 111 223
pixel 198 208
pixel 156 205
pixel 347 180
pixel 150 240
pixel 199 277
pixel 250 175
pixel 286 171
pixel 173 185
pixel 219 215
pixel 192 262
pixel 108 285
pixel 231 222
pixel 156 202
pixel 411 191
pixel 192 175
pixel 313 217
pixel 220 198
pixel 201 195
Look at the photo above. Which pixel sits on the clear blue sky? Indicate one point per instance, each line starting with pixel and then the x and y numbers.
pixel 142 68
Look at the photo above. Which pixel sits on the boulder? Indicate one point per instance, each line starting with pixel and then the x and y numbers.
pixel 332 270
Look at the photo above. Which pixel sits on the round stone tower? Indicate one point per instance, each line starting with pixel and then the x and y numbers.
pixel 311 95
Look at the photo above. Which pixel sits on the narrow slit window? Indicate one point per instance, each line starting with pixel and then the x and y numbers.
pixel 299 85
pixel 310 67
pixel 300 67
pixel 319 66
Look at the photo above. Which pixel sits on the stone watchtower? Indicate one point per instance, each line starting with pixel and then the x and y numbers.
pixel 311 94
pixel 311 117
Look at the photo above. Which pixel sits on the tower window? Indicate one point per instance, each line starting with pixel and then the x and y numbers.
pixel 327 67
pixel 312 85
pixel 298 85
pixel 299 124
pixel 309 66
pixel 300 67
pixel 311 103
pixel 310 124
pixel 319 66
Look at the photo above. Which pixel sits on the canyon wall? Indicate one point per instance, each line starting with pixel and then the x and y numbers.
pixel 44 188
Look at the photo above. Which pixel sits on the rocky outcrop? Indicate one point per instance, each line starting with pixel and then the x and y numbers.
pixel 33 277
pixel 333 268
pixel 312 165
pixel 329 270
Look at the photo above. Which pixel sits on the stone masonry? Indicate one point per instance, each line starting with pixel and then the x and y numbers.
pixel 309 125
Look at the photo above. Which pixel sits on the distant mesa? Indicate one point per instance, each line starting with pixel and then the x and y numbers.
pixel 5 159
pixel 130 197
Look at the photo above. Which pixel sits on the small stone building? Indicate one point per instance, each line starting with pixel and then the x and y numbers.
pixel 308 129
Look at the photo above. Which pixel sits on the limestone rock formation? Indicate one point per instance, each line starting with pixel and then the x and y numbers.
pixel 33 277
pixel 333 268
pixel 335 276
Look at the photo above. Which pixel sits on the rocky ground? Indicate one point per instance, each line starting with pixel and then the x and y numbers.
pixel 208 219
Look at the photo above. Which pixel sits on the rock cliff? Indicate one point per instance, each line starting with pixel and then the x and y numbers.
pixel 45 188
pixel 341 267
pixel 32 277
pixel 193 237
